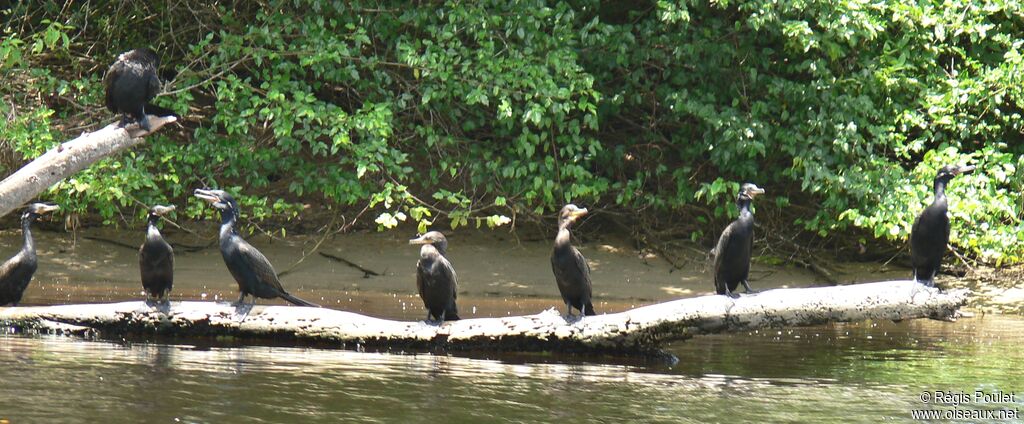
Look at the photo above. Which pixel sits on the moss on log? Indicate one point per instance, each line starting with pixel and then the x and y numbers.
pixel 643 329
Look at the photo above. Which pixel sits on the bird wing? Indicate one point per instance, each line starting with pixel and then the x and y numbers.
pixel 152 82
pixel 578 264
pixel 113 74
pixel 424 277
pixel 582 264
pixel 421 278
pixel 259 266
pixel 449 272
pixel 723 241
pixel 6 268
pixel 158 253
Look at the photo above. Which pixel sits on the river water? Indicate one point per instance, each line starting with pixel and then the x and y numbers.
pixel 860 372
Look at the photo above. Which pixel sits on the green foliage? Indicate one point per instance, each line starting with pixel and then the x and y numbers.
pixel 850 105
pixel 467 112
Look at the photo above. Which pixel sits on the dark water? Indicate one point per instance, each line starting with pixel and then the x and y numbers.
pixel 866 372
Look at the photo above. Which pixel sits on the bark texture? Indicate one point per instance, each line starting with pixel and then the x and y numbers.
pixel 643 329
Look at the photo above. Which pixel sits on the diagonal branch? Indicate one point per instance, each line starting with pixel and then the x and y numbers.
pixel 68 158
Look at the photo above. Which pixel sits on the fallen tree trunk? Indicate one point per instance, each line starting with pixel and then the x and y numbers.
pixel 68 158
pixel 636 330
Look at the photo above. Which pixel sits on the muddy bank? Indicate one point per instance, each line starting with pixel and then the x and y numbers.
pixel 498 274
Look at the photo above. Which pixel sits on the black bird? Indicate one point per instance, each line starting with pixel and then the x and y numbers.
pixel 572 273
pixel 16 273
pixel 253 272
pixel 156 258
pixel 131 82
pixel 732 254
pixel 435 277
pixel 930 233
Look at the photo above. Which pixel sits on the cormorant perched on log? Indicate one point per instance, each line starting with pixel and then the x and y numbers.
pixel 131 82
pixel 253 272
pixel 156 258
pixel 930 233
pixel 16 273
pixel 435 277
pixel 732 254
pixel 572 273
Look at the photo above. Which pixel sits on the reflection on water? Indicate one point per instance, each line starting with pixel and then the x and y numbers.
pixel 852 373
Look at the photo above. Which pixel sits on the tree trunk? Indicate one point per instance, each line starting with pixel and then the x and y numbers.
pixel 68 158
pixel 642 329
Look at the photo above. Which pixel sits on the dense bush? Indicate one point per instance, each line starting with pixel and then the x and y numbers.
pixel 478 111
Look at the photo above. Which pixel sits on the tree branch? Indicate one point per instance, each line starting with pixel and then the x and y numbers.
pixel 68 158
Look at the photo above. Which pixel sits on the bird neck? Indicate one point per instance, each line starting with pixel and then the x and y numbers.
pixel 228 218
pixel 940 187
pixel 430 251
pixel 743 203
pixel 26 231
pixel 564 237
pixel 151 229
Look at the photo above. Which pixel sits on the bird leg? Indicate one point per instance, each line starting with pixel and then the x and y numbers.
pixel 568 310
pixel 746 286
pixel 240 301
pixel 733 295
pixel 142 119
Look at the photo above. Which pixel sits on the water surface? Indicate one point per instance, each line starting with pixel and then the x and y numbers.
pixel 865 372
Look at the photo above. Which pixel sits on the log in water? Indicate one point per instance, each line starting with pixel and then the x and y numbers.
pixel 642 329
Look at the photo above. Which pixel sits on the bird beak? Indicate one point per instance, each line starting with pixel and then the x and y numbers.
pixel 163 210
pixel 420 240
pixel 755 191
pixel 578 213
pixel 964 169
pixel 206 195
pixel 48 209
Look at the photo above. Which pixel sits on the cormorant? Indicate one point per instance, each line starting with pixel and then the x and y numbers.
pixel 253 272
pixel 131 82
pixel 572 273
pixel 156 258
pixel 16 273
pixel 732 254
pixel 435 277
pixel 930 233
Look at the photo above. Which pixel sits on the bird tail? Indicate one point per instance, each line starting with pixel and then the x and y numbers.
pixel 451 315
pixel 590 309
pixel 152 109
pixel 298 302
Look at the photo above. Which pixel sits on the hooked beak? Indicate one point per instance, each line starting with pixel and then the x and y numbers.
pixel 163 210
pixel 420 240
pixel 578 213
pixel 206 195
pixel 48 209
pixel 755 191
pixel 212 198
pixel 964 169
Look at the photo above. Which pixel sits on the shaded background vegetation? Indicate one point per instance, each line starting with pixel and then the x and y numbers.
pixel 481 113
